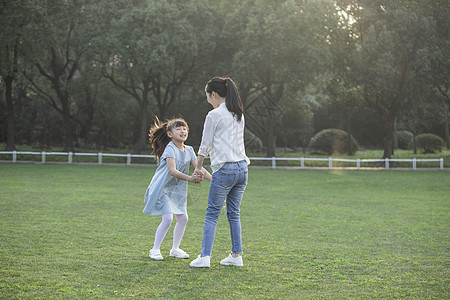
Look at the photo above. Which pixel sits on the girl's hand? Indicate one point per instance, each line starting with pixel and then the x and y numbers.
pixel 196 178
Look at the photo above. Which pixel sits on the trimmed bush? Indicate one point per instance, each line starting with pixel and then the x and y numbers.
pixel 430 143
pixel 405 139
pixel 333 141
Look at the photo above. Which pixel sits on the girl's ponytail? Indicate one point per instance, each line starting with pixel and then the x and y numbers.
pixel 158 137
pixel 158 134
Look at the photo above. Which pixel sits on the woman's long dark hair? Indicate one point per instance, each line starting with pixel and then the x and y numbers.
pixel 158 134
pixel 225 87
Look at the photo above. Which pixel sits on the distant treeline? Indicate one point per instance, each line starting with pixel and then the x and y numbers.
pixel 93 74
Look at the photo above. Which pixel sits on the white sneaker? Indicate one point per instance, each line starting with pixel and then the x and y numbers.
pixel 178 253
pixel 201 262
pixel 155 254
pixel 231 261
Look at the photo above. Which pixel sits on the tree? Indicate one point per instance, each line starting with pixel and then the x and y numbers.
pixel 85 90
pixel 283 47
pixel 440 64
pixel 65 28
pixel 152 48
pixel 392 38
pixel 16 38
pixel 417 116
pixel 295 128
pixel 342 83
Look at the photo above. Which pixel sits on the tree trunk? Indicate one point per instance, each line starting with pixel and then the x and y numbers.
pixel 389 137
pixel 10 138
pixel 388 146
pixel 68 128
pixel 395 137
pixel 88 112
pixel 143 128
pixel 446 129
pixel 349 137
pixel 63 97
pixel 270 139
pixel 414 142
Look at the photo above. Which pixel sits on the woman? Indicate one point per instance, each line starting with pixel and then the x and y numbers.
pixel 223 141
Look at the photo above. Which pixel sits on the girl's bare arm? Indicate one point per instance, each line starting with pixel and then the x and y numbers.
pixel 171 165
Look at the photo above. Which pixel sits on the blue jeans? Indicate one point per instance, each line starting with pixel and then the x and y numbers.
pixel 229 183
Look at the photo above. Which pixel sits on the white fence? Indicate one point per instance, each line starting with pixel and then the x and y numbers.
pixel 358 162
pixel 386 162
pixel 70 155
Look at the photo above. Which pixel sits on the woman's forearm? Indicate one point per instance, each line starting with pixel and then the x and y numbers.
pixel 200 160
pixel 206 174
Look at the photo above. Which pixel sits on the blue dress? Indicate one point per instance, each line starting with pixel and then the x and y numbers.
pixel 167 194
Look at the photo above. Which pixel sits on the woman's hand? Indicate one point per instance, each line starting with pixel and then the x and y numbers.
pixel 198 168
pixel 198 172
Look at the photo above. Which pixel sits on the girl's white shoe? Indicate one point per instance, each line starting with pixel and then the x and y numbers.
pixel 178 253
pixel 155 254
pixel 232 261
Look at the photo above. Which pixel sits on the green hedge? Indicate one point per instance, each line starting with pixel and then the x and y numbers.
pixel 333 141
pixel 429 143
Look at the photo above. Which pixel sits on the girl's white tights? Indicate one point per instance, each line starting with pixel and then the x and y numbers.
pixel 178 231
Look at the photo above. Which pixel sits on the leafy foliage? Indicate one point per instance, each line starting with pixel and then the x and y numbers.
pixel 394 45
pixel 283 47
pixel 93 73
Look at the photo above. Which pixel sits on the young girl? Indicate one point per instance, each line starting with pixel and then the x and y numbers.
pixel 167 193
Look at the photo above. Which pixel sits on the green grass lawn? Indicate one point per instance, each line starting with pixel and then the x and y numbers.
pixel 78 232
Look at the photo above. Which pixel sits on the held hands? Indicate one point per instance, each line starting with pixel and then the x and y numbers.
pixel 197 176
